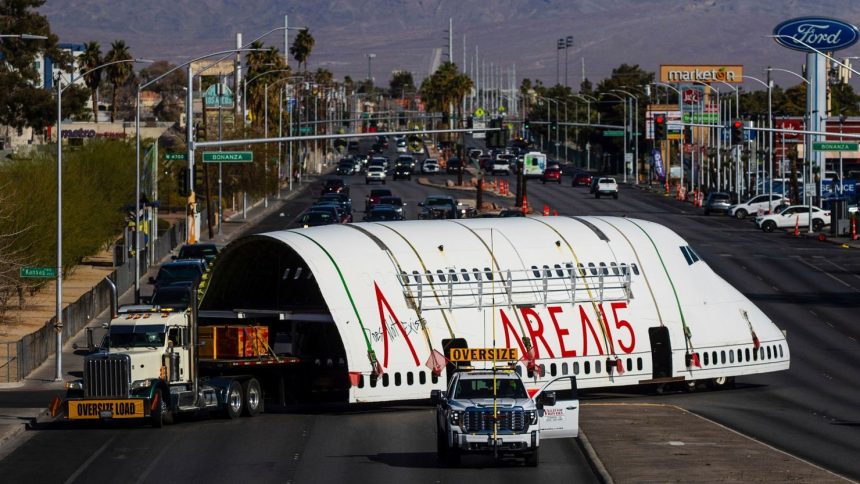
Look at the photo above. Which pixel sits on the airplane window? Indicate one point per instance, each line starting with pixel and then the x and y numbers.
pixel 440 275
pixel 552 369
pixel 422 378
pixel 723 357
pixel 624 268
pixel 547 271
pixel 417 276
pixel 581 269
pixel 629 364
pixel 410 380
pixel 714 357
pixel 768 352
pixel 686 255
pixel 576 368
pixel 592 268
pixel 373 382
pixel 614 268
pixel 488 273
pixel 597 366
pixel 558 271
pixel 385 379
pixel 452 274
pixel 639 364
pixel 286 274
pixel 434 379
pixel 635 269
pixel 732 356
pixel 465 274
pixel 536 271
pixel 405 277
pixel 397 379
pixel 706 358
pixel 569 267
pixel 543 369
pixel 429 276
pixel 564 368
pixel 476 273
pixel 586 367
pixel 298 274
pixel 740 355
pixel 603 269
pixel 780 352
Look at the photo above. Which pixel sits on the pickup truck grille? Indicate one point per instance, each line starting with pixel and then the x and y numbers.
pixel 107 376
pixel 480 420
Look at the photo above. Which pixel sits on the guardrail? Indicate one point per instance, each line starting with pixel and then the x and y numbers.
pixel 26 354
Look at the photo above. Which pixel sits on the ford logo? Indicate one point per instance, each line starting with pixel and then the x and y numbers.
pixel 810 33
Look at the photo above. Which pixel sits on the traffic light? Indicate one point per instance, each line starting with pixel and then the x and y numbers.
pixel 737 132
pixel 659 127
pixel 554 125
pixel 199 177
pixel 526 124
pixel 182 182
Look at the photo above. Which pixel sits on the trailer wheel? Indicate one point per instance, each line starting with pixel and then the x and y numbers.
pixel 253 397
pixel 233 401
pixel 722 382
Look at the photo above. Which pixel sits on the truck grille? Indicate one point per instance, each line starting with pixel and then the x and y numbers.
pixel 478 420
pixel 107 376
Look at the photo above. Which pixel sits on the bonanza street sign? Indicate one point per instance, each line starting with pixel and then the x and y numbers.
pixel 228 156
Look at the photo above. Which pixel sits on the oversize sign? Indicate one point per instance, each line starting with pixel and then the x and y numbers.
pixel 96 409
pixel 701 73
pixel 809 34
pixel 484 354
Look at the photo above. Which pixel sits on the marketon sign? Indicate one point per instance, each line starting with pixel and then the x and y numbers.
pixel 703 73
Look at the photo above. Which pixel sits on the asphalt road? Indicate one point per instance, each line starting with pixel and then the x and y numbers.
pixel 809 288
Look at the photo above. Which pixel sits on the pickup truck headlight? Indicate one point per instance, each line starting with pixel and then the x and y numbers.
pixel 532 417
pixel 75 385
pixel 456 417
pixel 138 384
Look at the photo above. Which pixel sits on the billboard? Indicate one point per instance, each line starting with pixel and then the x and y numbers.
pixel 675 73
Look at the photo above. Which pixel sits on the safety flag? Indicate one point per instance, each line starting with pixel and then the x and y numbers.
pixel 619 366
pixel 695 360
pixel 531 362
pixel 436 362
pixel 756 342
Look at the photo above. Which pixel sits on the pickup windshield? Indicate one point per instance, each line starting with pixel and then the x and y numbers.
pixel 139 336
pixel 483 388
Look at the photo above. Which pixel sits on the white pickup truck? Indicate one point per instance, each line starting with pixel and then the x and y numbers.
pixel 606 186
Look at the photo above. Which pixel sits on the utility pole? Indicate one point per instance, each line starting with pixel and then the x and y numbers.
pixel 450 40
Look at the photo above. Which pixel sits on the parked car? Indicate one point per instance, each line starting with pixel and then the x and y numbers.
pixel 717 202
pixel 382 213
pixel 188 271
pixel 754 204
pixel 374 196
pixel 335 185
pixel 430 166
pixel 551 174
pixel 374 174
pixel 403 170
pixel 606 186
pixel 502 165
pixel 343 201
pixel 581 179
pixel 454 165
pixel 794 215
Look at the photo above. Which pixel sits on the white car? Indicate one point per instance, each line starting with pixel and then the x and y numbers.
pixel 502 165
pixel 606 186
pixel 375 174
pixel 401 146
pixel 794 215
pixel 429 166
pixel 754 204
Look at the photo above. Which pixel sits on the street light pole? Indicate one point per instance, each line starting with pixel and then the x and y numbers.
pixel 369 72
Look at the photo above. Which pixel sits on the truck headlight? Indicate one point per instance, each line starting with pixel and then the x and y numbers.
pixel 532 417
pixel 138 384
pixel 456 417
pixel 75 385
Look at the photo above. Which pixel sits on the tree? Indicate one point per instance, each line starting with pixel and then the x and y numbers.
pixel 118 73
pixel 89 60
pixel 264 67
pixel 401 82
pixel 445 88
pixel 323 76
pixel 302 47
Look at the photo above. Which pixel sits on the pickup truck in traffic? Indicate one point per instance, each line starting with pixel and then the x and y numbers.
pixel 607 187
pixel 489 411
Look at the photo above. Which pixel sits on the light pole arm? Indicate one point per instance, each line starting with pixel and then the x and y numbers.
pixel 180 66
pixel 789 72
pixel 98 68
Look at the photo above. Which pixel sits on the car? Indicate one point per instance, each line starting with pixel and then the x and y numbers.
pixel 474 153
pixel 406 159
pixel 378 161
pixel 454 165
pixel 485 162
pixel 339 199
pixel 315 219
pixel 352 145
pixel 382 213
pixel 346 167
pixel 393 201
pixel 754 205
pixel 402 170
pixel 207 252
pixel 187 271
pixel 593 186
pixel 501 165
pixel 794 216
pixel 551 174
pixel 374 174
pixel 438 206
pixel 430 166
pixel 174 296
pixel 511 212
pixel 606 186
pixel 401 146
pixel 581 180
pixel 717 202
pixel 335 185
pixel 374 196
pixel 333 208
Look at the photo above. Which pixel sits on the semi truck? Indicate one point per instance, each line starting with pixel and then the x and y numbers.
pixel 155 363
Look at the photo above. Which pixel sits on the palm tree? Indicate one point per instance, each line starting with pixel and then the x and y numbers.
pixel 302 47
pixel 117 73
pixel 264 67
pixel 89 60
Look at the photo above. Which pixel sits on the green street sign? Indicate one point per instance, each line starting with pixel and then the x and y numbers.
pixel 613 133
pixel 228 156
pixel 38 272
pixel 306 130
pixel 175 156
pixel 834 146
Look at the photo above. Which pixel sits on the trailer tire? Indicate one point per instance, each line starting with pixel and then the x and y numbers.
pixel 233 400
pixel 722 382
pixel 253 398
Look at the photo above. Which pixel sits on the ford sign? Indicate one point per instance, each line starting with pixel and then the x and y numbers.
pixel 810 33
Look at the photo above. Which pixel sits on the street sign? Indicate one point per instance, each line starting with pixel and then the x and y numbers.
pixel 480 112
pixel 228 156
pixel 613 133
pixel 38 272
pixel 834 146
pixel 175 156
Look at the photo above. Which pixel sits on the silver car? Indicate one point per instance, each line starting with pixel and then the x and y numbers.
pixel 374 174
pixel 430 166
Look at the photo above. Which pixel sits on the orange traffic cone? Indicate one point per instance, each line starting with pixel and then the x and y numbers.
pixel 555 213
pixel 525 204
pixel 853 228
pixel 797 226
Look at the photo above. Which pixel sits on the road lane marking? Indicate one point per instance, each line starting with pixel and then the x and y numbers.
pixel 840 281
pixel 89 461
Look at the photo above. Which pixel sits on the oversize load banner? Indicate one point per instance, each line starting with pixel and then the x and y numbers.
pixel 672 73
pixel 484 354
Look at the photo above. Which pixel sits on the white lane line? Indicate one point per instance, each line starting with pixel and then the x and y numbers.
pixel 840 281
pixel 155 460
pixel 840 267
pixel 89 461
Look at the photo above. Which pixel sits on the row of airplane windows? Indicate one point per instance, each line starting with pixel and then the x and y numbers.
pixel 476 274
pixel 712 358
